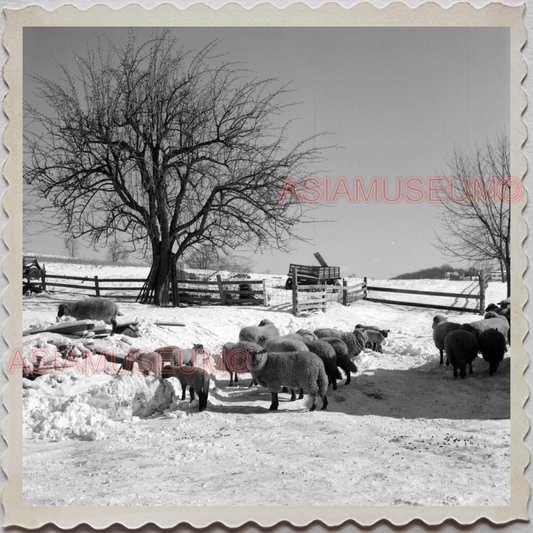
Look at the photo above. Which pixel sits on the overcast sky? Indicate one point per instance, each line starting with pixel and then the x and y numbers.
pixel 394 100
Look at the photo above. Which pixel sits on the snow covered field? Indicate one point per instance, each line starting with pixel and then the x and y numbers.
pixel 404 432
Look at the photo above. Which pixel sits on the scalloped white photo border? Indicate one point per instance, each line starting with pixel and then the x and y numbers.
pixel 361 15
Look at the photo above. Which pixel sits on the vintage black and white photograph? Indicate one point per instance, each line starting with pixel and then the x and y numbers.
pixel 267 266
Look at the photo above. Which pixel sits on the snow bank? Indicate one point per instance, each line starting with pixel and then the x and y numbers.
pixel 90 414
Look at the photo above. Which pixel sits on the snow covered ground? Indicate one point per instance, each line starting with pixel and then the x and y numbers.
pixel 404 432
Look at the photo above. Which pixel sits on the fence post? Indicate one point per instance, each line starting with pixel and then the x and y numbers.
pixel 221 290
pixel 43 279
pixel 96 286
pixel 365 290
pixel 481 292
pixel 294 292
pixel 265 300
pixel 344 292
pixel 324 298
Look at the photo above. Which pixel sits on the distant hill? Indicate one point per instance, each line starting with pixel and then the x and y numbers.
pixel 43 258
pixel 437 273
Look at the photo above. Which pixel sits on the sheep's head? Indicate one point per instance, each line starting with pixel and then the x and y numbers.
pixel 491 314
pixel 265 322
pixel 437 319
pixel 384 332
pixel 491 307
pixel 258 355
pixel 62 310
pixel 470 329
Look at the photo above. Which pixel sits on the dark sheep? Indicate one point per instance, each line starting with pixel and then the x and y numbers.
pixel 441 328
pixel 91 309
pixel 343 358
pixel 491 344
pixel 461 349
pixel 326 352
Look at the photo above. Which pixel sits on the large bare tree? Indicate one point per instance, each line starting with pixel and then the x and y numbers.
pixel 171 147
pixel 476 205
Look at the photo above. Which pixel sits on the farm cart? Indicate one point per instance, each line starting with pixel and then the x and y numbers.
pixel 314 275
pixel 32 274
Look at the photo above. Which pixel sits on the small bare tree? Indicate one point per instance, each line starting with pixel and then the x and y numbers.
pixel 476 206
pixel 117 251
pixel 170 147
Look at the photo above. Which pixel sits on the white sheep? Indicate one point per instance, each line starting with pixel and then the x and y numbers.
pixel 90 309
pixel 493 320
pixel 296 370
pixel 196 378
pixel 461 349
pixel 261 333
pixel 491 344
pixel 375 336
pixel 441 328
pixel 355 341
pixel 286 343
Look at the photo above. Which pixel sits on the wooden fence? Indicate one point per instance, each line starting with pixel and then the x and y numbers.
pixel 225 292
pixel 308 297
pixel 479 298
pixel 316 296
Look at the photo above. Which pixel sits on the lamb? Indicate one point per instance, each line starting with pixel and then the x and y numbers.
pixel 326 352
pixel 180 356
pixel 343 358
pixel 91 309
pixel 148 361
pixel 441 328
pixel 196 378
pixel 236 360
pixel 375 336
pixel 491 344
pixel 266 330
pixel 461 349
pixel 355 341
pixel 493 320
pixel 296 370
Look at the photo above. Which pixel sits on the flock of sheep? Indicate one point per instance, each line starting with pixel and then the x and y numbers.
pixel 303 361
pixel 462 342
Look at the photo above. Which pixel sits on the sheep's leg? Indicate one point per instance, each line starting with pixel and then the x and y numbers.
pixel 324 402
pixel 441 357
pixel 471 371
pixel 202 397
pixel 183 392
pixel 293 394
pixel 275 403
pixel 253 382
pixel 313 406
pixel 301 394
pixel 114 325
pixel 230 384
pixel 348 378
pixel 463 371
pixel 191 391
pixel 334 383
pixel 236 378
pixel 454 371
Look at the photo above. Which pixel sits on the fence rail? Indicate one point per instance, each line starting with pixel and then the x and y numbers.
pixel 226 292
pixel 480 297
